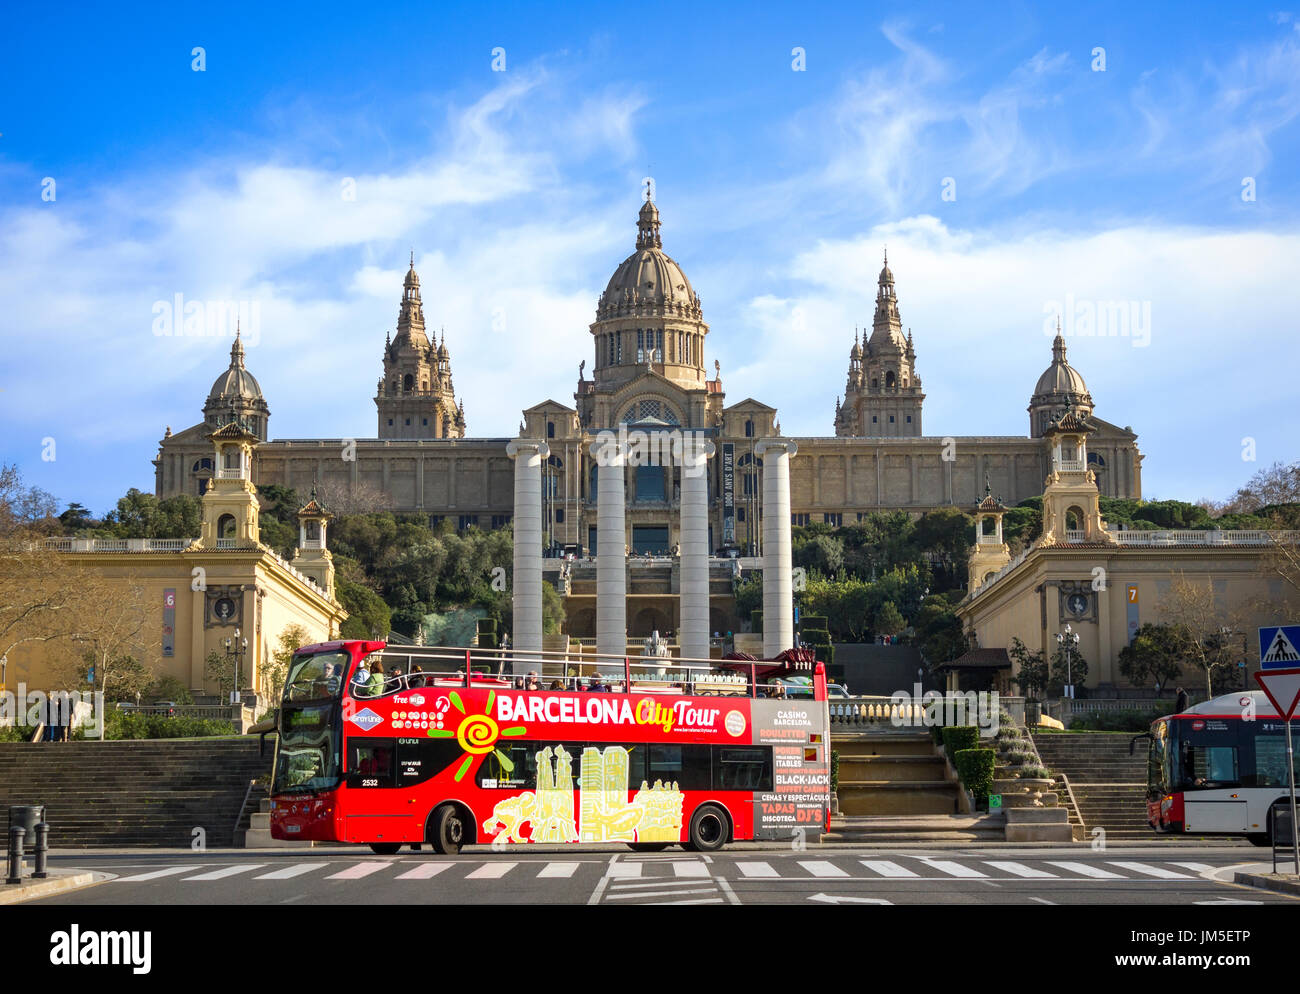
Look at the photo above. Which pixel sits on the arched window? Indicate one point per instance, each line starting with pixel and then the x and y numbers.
pixel 889 380
pixel 226 527
pixel 408 383
pixel 749 429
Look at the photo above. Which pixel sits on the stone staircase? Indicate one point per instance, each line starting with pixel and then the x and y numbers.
pixel 135 792
pixel 1109 785
pixel 893 773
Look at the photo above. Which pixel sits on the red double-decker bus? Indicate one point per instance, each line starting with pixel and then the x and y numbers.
pixel 442 748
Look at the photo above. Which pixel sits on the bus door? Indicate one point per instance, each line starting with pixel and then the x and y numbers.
pixel 1208 766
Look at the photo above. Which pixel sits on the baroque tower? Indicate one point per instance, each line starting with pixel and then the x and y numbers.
pixel 883 397
pixel 416 399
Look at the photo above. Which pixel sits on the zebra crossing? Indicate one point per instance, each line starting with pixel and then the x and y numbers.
pixel 679 878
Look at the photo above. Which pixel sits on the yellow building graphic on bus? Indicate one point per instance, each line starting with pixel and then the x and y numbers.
pixel 604 813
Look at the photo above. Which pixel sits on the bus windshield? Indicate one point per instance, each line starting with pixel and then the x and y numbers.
pixel 307 758
pixel 315 676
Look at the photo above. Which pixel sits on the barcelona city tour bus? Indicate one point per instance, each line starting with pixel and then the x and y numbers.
pixel 387 746
pixel 1218 768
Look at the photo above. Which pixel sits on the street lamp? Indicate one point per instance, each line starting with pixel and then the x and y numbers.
pixel 235 649
pixel 1067 640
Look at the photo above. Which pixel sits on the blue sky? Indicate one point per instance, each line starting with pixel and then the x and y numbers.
pixel 518 192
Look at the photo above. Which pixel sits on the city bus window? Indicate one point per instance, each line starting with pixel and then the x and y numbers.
pixel 686 766
pixel 1270 756
pixel 744 768
pixel 370 762
pixel 1209 766
pixel 517 772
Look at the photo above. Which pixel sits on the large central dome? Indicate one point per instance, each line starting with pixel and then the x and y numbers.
pixel 648 281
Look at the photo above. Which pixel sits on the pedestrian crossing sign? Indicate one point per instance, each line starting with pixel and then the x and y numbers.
pixel 1279 647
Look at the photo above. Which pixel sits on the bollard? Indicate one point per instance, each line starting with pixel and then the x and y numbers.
pixel 41 851
pixel 15 855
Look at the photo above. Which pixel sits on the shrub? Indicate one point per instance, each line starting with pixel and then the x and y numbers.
pixel 1017 757
pixel 1118 721
pixel 812 621
pixel 1034 773
pixel 126 725
pixel 1008 733
pixel 975 767
pixel 835 770
pixel 957 737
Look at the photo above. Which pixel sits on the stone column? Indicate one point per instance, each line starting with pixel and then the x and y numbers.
pixel 778 607
pixel 527 582
pixel 610 454
pixel 693 635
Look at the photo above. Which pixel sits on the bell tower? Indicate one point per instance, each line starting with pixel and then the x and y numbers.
pixel 415 398
pixel 230 503
pixel 1071 502
pixel 312 557
pixel 990 552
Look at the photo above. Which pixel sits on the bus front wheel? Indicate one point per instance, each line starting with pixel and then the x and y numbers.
pixel 446 830
pixel 708 831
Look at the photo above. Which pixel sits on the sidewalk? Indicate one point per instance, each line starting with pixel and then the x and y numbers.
pixel 1261 875
pixel 58 882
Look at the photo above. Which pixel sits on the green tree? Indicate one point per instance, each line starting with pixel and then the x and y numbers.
pixel 368 616
pixel 1154 656
pixel 1030 668
pixel 292 638
pixel 888 620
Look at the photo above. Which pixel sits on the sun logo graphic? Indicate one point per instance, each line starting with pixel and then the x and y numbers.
pixel 477 734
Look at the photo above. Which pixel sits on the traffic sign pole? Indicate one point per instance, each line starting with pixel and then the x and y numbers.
pixel 1285 694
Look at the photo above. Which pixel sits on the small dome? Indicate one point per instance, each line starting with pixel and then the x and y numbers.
pixel 1060 379
pixel 236 383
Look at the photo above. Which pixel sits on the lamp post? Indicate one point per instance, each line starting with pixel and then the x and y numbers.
pixel 235 649
pixel 1067 640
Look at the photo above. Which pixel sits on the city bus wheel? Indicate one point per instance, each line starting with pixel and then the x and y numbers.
pixel 708 831
pixel 1259 839
pixel 386 848
pixel 446 830
pixel 648 846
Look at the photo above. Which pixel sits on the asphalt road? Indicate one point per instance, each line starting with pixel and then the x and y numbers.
pixel 741 874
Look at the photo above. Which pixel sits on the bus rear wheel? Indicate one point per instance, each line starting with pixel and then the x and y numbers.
pixel 1259 839
pixel 709 828
pixel 386 848
pixel 446 830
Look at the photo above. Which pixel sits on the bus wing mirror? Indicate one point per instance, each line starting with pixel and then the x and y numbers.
pixel 1135 739
pixel 261 741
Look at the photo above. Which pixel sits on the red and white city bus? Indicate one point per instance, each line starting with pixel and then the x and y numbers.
pixel 1218 768
pixel 644 751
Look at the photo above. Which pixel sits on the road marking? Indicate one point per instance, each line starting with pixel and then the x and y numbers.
pixel 661 882
pixel 491 871
pixel 885 868
pixel 1086 870
pixel 703 900
pixel 1196 867
pixel 757 870
pixel 154 875
pixel 1151 871
pixel 623 896
pixel 289 872
pixel 821 868
pixel 842 899
pixel 1228 900
pixel 1019 869
pixel 424 871
pixel 956 869
pixel 1043 900
pixel 227 871
pixel 360 870
pixel 551 870
pixel 690 869
pixel 624 870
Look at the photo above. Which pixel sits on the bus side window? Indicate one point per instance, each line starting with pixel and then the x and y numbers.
pixel 370 762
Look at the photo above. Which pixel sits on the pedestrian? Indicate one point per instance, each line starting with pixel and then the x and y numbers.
pixel 1181 704
pixel 375 686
